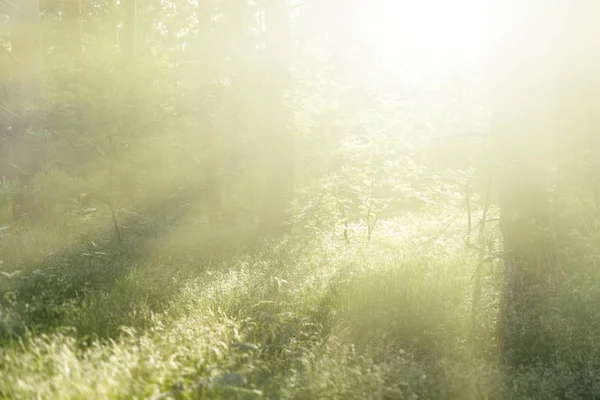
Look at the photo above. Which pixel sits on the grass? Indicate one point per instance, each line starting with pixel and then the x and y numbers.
pixel 185 314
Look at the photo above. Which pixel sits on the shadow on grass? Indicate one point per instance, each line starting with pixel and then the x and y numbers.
pixel 101 283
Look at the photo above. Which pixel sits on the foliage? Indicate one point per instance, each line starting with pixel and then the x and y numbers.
pixel 292 319
pixel 392 284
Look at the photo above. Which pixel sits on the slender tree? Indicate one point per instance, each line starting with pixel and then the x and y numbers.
pixel 129 40
pixel 236 11
pixel 24 86
pixel 75 28
pixel 212 164
pixel 223 143
pixel 279 187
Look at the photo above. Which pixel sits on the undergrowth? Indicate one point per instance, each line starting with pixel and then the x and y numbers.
pixel 168 317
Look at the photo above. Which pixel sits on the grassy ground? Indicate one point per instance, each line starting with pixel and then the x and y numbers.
pixel 175 313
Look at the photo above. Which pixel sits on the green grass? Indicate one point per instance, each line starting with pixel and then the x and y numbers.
pixel 210 315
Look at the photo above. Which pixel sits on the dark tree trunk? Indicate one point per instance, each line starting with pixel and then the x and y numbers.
pixel 279 186
pixel 529 264
pixel 526 85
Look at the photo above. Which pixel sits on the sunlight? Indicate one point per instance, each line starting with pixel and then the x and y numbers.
pixel 334 199
pixel 432 30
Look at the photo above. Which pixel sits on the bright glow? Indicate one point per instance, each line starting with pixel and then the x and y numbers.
pixel 424 30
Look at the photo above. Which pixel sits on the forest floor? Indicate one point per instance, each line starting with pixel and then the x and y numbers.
pixel 182 314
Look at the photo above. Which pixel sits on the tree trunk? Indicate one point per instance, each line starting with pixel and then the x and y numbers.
pixel 279 187
pixel 212 165
pixel 129 43
pixel 21 159
pixel 75 28
pixel 529 263
pixel 526 84
pixel 236 34
pixel 223 143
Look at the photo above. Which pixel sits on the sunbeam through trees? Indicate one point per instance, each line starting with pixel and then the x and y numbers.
pixel 299 199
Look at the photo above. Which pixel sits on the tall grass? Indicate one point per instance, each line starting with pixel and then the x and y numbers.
pixel 212 316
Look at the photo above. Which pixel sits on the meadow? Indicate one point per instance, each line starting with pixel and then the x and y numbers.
pixel 193 313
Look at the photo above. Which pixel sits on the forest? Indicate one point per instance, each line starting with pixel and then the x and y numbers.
pixel 299 199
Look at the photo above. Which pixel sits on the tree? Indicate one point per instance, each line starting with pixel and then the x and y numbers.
pixel 75 28
pixel 24 86
pixel 279 186
pixel 212 165
pixel 129 39
pixel 535 74
pixel 223 143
